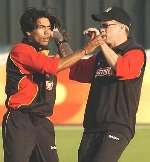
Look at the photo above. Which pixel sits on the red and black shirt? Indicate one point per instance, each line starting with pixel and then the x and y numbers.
pixel 114 95
pixel 30 80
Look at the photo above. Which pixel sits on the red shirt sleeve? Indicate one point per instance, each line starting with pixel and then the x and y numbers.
pixel 129 65
pixel 83 70
pixel 28 59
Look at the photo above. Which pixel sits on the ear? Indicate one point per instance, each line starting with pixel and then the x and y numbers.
pixel 28 33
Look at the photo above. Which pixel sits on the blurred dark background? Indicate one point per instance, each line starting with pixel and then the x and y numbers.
pixel 75 17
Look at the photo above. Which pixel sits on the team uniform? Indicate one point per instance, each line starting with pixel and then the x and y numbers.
pixel 28 136
pixel 110 114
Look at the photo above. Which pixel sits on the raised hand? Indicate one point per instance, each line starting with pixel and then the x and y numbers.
pixel 91 32
pixel 57 35
pixel 93 44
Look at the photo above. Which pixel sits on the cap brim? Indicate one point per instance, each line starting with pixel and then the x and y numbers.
pixel 100 17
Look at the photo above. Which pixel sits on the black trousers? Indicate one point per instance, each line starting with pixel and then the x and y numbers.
pixel 101 147
pixel 28 138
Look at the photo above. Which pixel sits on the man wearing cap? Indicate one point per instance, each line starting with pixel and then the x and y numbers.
pixel 116 74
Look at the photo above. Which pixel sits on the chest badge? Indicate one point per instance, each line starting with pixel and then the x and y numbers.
pixel 49 85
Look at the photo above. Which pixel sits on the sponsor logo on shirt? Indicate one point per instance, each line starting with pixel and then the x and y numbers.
pixel 49 85
pixel 53 148
pixel 113 137
pixel 106 71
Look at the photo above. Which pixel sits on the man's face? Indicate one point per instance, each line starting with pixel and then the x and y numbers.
pixel 111 31
pixel 43 32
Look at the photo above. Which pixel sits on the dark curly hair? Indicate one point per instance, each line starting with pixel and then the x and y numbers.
pixel 30 16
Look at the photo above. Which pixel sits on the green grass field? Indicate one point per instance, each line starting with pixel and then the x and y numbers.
pixel 68 139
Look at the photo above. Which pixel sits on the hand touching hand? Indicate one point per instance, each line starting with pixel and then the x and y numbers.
pixel 91 32
pixel 93 44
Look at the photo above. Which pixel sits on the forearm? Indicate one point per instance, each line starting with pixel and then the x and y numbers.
pixel 70 60
pixel 73 58
pixel 64 49
pixel 110 55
